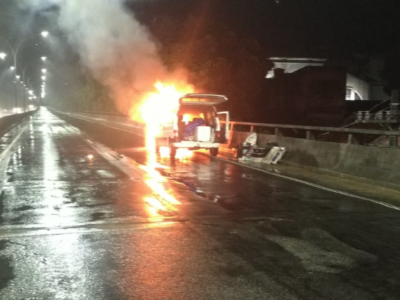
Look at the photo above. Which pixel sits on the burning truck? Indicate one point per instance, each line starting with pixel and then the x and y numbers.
pixel 179 120
pixel 196 125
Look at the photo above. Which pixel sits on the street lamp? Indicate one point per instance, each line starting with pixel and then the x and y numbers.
pixel 44 71
pixel 44 58
pixel 3 55
pixel 14 52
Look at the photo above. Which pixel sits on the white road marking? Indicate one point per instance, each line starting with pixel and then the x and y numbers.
pixel 310 184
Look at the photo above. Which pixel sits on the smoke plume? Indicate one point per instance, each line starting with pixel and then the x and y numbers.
pixel 111 43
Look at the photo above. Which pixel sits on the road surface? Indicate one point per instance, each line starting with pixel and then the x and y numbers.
pixel 84 216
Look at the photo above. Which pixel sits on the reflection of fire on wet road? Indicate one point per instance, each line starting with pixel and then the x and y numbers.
pixel 159 108
pixel 182 154
pixel 161 203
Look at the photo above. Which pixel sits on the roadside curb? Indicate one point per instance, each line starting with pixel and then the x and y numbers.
pixel 5 155
pixel 321 187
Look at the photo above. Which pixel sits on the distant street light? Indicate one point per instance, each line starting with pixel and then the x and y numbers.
pixel 44 71
pixel 18 77
pixel 3 55
pixel 12 68
pixel 14 51
pixel 44 58
pixel 43 77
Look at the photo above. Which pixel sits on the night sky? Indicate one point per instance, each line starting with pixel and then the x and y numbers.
pixel 306 27
pixel 297 28
pixel 283 27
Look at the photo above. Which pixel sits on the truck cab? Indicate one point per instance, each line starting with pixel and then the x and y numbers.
pixel 196 125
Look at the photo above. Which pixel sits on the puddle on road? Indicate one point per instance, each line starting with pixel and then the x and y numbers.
pixel 178 171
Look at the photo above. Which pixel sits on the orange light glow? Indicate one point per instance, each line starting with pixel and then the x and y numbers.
pixel 155 204
pixel 186 118
pixel 159 108
pixel 152 172
pixel 164 152
pixel 181 153
pixel 162 193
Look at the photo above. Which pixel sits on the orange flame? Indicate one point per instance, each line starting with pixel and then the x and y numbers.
pixel 159 108
pixel 181 154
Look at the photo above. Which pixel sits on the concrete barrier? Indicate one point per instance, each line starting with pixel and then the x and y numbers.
pixel 382 164
pixel 7 122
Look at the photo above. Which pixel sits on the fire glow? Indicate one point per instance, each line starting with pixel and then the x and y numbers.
pixel 159 108
pixel 181 153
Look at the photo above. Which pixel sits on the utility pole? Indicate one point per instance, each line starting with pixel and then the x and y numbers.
pixel 395 115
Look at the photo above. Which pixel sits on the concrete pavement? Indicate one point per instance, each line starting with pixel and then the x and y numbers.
pixel 109 227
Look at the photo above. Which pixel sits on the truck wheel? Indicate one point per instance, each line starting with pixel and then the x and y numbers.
pixel 213 151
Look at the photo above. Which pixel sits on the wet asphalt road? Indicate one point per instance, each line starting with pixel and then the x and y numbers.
pixel 110 227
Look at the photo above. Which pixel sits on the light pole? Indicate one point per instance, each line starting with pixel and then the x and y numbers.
pixel 28 82
pixel 25 80
pixel 2 57
pixel 14 51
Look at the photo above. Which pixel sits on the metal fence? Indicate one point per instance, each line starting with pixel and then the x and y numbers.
pixel 329 134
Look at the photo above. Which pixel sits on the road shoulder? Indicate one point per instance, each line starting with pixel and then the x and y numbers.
pixel 380 192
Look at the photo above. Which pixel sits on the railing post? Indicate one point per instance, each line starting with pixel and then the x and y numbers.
pixel 231 125
pixel 393 141
pixel 351 139
pixel 354 136
pixel 310 135
pixel 278 132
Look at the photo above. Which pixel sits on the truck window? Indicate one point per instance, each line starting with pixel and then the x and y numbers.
pixel 191 116
pixel 187 114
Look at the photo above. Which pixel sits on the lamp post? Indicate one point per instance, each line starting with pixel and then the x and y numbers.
pixel 2 57
pixel 14 51
pixel 28 81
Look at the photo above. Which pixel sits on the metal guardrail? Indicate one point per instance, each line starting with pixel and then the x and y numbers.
pixel 9 121
pixel 354 135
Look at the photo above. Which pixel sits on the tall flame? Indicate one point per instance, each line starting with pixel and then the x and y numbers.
pixel 159 108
